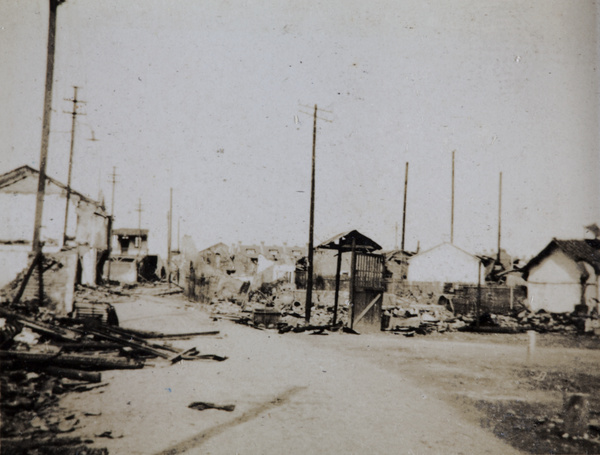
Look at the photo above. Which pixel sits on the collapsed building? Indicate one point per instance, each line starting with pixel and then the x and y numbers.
pixel 130 260
pixel 74 233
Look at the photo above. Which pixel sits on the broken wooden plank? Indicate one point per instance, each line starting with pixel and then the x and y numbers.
pixel 185 334
pixel 70 373
pixel 27 276
pixel 130 336
pixel 50 330
pixel 88 345
pixel 72 360
pixel 194 354
pixel 179 356
pixel 132 344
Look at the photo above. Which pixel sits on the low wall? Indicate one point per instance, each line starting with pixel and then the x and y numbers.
pixel 461 298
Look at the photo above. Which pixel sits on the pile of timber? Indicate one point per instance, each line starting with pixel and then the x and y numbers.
pixel 43 357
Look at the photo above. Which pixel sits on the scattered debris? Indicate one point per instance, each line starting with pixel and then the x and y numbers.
pixel 201 406
pixel 425 319
pixel 44 356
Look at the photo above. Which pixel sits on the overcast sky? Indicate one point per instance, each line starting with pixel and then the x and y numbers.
pixel 207 97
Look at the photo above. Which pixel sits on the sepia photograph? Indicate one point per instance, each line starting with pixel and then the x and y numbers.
pixel 269 227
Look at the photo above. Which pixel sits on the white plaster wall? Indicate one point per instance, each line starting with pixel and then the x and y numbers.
pixel 554 298
pixel 554 284
pixel 556 268
pixel 18 214
pixel 444 264
pixel 13 260
pixel 88 266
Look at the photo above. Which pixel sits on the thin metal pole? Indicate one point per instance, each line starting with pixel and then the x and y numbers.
pixel 452 206
pixel 404 208
pixel 309 278
pixel 39 204
pixel 74 116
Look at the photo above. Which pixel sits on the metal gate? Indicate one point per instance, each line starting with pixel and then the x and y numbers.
pixel 367 291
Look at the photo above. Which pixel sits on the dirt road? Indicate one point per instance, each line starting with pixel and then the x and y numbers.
pixel 293 393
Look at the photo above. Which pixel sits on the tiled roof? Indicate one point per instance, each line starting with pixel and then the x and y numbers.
pixel 578 250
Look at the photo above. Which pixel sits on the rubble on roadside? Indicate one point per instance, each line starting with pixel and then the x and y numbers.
pixel 425 319
pixel 279 311
pixel 44 356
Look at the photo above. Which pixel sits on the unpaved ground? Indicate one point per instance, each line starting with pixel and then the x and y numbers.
pixel 299 393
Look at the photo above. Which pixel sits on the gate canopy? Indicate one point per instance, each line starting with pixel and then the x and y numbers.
pixel 343 242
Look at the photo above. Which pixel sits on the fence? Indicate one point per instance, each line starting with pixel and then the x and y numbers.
pixel 321 283
pixel 462 298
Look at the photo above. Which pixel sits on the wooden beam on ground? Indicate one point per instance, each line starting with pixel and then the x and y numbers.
pixel 72 360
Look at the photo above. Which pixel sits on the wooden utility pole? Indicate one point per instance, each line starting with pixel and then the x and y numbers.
pixel 499 216
pixel 452 204
pixel 309 277
pixel 39 203
pixel 112 219
pixel 74 116
pixel 139 210
pixel 169 234
pixel 112 199
pixel 178 230
pixel 404 207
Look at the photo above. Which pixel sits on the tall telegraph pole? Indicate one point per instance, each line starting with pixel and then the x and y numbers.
pixel 452 204
pixel 139 210
pixel 39 203
pixel 74 114
pixel 499 216
pixel 112 218
pixel 169 234
pixel 309 277
pixel 404 207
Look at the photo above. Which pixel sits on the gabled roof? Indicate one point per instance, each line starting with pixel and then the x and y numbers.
pixel 20 174
pixel 344 240
pixel 446 244
pixel 397 255
pixel 217 246
pixel 578 250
